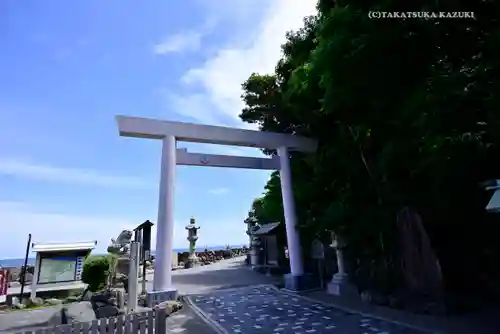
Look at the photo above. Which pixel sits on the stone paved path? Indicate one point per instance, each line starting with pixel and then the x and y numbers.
pixel 264 309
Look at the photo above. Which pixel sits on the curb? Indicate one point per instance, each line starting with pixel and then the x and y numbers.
pixel 212 323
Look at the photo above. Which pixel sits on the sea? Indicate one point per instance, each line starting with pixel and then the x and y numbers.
pixel 19 262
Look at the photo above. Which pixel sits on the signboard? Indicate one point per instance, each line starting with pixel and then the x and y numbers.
pixel 4 282
pixel 317 250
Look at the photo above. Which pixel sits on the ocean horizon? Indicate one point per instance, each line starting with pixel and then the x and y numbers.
pixel 19 262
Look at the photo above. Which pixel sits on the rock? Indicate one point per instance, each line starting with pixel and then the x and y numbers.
pixel 71 299
pixel 36 301
pixel 86 295
pixel 104 305
pixel 53 301
pixel 17 304
pixel 77 312
pixel 170 306
pixel 107 311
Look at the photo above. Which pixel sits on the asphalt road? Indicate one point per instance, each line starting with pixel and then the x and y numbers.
pixel 224 274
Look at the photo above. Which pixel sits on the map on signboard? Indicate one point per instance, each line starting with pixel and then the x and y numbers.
pixel 54 270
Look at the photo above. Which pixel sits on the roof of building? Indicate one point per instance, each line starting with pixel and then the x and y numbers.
pixel 266 229
pixel 191 226
pixel 143 225
pixel 59 247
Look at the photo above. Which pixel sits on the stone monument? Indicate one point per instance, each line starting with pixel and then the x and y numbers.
pixel 192 229
pixel 110 302
pixel 120 260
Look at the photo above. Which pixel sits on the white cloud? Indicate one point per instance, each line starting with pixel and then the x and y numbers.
pixel 194 106
pixel 219 191
pixel 179 42
pixel 23 169
pixel 19 219
pixel 220 77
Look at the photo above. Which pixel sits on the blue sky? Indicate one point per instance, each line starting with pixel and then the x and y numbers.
pixel 68 67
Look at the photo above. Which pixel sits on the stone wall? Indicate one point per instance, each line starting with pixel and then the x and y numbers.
pixel 208 257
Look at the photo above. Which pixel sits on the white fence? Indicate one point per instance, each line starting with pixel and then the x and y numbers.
pixel 148 322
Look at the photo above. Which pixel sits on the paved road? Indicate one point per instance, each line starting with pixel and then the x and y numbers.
pixel 224 274
pixel 265 309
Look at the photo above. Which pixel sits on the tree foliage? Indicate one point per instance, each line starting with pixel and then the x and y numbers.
pixel 405 113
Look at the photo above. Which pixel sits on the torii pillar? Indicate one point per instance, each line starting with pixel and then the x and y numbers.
pixel 171 132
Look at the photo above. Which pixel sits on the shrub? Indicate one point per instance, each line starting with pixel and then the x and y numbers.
pixel 95 272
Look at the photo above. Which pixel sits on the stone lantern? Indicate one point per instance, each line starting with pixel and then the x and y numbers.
pixel 250 222
pixel 340 285
pixel 192 229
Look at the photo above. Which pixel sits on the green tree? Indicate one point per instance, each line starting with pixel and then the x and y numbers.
pixel 405 113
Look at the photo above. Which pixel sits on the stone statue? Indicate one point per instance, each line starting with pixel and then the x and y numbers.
pixel 121 244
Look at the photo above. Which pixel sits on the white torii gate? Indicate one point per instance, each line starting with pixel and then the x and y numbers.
pixel 171 132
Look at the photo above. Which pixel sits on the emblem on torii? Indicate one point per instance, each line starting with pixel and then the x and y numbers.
pixel 204 160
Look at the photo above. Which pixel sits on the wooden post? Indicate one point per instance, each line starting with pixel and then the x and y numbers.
pixel 133 276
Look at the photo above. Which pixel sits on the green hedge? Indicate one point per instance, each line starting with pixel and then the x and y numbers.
pixel 95 272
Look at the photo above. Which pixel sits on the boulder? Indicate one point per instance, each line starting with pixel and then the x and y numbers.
pixel 53 301
pixel 107 311
pixel 71 299
pixel 86 295
pixel 17 304
pixel 105 305
pixel 36 301
pixel 77 312
pixel 170 306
